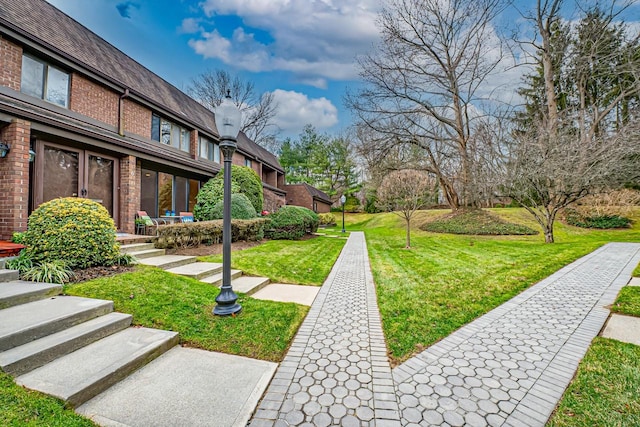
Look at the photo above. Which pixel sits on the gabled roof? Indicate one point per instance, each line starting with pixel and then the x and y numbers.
pixel 47 26
pixel 314 192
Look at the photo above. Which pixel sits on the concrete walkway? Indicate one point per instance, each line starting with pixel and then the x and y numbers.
pixel 336 371
pixel 511 366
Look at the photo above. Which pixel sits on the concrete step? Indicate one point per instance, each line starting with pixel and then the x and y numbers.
pixel 216 279
pixel 32 355
pixel 8 275
pixel 81 375
pixel 168 261
pixel 20 292
pixel 28 322
pixel 197 270
pixel 135 247
pixel 147 253
pixel 248 284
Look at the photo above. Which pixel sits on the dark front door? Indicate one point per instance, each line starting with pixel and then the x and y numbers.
pixel 69 172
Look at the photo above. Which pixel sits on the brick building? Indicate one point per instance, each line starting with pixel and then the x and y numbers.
pixel 309 197
pixel 83 119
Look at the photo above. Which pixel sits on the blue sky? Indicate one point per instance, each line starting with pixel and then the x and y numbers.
pixel 301 50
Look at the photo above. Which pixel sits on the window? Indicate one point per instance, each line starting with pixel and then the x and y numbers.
pixel 44 81
pixel 169 133
pixel 247 162
pixel 209 150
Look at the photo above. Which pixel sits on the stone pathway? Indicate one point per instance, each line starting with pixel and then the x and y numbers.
pixel 336 371
pixel 511 366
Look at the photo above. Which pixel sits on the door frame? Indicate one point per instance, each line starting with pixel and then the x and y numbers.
pixel 83 155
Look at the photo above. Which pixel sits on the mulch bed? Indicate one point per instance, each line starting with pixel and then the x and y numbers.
pixel 97 272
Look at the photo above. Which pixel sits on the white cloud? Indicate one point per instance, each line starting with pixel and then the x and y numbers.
pixel 190 26
pixel 296 109
pixel 314 39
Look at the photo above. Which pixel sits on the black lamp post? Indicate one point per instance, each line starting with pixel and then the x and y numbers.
pixel 228 123
pixel 343 200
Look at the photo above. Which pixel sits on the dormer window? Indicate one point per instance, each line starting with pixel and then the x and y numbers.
pixel 44 81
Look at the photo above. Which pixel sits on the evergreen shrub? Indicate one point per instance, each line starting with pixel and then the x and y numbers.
pixel 241 208
pixel 291 223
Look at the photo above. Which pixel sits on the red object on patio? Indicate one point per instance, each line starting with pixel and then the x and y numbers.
pixel 9 248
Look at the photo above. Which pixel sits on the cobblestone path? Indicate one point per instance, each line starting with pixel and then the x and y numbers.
pixel 511 366
pixel 336 371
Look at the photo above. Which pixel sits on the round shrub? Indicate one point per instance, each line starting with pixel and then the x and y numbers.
pixel 241 208
pixel 291 223
pixel 79 232
pixel 243 180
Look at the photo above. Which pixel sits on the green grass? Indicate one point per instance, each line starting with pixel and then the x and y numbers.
pixel 628 301
pixel 25 408
pixel 446 280
pixel 636 272
pixel 605 390
pixel 158 299
pixel 477 222
pixel 302 262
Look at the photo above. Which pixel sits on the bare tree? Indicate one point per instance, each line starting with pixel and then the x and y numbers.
pixel 212 86
pixel 423 80
pixel 403 192
pixel 549 170
pixel 573 148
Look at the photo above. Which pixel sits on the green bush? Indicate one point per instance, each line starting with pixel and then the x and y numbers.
pixel 18 237
pixel 78 231
pixel 327 219
pixel 21 263
pixel 477 222
pixel 241 208
pixel 191 234
pixel 352 205
pixel 291 223
pixel 244 180
pixel 573 217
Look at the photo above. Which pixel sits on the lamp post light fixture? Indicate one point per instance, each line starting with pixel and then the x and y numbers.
pixel 4 149
pixel 343 200
pixel 227 117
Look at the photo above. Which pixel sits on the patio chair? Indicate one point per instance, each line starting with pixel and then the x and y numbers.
pixel 186 216
pixel 144 223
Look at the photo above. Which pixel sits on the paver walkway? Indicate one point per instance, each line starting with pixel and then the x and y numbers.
pixel 336 371
pixel 511 366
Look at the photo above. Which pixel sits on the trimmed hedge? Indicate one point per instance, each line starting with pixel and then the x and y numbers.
pixel 291 223
pixel 78 231
pixel 191 234
pixel 241 208
pixel 327 219
pixel 573 217
pixel 244 180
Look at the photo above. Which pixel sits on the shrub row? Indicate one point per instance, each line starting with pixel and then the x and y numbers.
pixel 573 217
pixel 291 223
pixel 208 232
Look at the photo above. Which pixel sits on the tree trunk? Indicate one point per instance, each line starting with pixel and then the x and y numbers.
pixel 408 234
pixel 549 219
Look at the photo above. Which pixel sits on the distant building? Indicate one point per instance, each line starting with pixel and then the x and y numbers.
pixel 83 119
pixel 309 197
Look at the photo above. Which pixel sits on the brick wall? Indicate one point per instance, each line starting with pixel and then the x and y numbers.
pixel 237 159
pixel 129 192
pixel 322 207
pixel 137 119
pixel 93 100
pixel 14 179
pixel 10 64
pixel 272 201
pixel 297 195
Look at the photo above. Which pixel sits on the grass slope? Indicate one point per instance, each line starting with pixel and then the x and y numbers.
pixel 477 222
pixel 302 262
pixel 628 301
pixel 446 280
pixel 20 407
pixel 605 390
pixel 162 300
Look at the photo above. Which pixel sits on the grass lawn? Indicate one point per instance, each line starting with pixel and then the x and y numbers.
pixel 302 262
pixel 628 301
pixel 158 299
pixel 605 391
pixel 23 408
pixel 446 280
